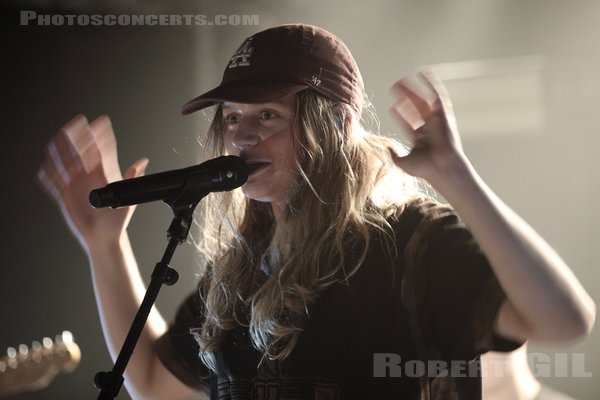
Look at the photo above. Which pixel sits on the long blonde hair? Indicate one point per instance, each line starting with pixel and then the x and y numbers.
pixel 265 274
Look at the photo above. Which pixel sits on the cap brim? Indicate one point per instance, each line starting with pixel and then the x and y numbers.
pixel 242 92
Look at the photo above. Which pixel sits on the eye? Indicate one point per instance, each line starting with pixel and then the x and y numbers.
pixel 231 119
pixel 267 115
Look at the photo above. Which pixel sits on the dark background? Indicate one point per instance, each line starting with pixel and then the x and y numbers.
pixel 140 76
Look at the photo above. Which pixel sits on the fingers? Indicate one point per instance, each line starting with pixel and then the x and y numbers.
pixel 414 103
pixel 50 179
pixel 63 152
pixel 137 168
pixel 430 98
pixel 84 148
pixel 423 98
pixel 427 93
pixel 103 133
pixel 407 114
pixel 62 161
pixel 104 137
pixel 76 152
pixel 435 84
pixel 57 151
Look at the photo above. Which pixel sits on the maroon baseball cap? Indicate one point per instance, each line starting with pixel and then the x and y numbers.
pixel 286 59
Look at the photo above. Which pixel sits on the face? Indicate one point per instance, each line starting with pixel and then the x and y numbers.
pixel 262 135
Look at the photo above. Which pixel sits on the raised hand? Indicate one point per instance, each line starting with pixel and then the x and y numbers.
pixel 426 113
pixel 83 156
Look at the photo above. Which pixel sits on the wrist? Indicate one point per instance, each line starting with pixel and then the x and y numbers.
pixel 107 244
pixel 454 174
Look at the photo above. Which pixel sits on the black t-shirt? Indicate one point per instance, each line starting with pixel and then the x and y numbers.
pixel 407 313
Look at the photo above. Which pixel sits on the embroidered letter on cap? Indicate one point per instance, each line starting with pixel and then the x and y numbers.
pixel 241 57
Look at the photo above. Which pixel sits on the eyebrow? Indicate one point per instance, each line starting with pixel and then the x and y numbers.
pixel 280 103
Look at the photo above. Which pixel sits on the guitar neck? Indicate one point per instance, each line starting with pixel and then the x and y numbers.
pixel 34 367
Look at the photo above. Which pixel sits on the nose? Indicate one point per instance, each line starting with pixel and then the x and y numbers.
pixel 246 135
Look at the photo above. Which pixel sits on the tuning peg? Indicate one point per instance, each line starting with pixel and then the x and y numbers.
pixel 47 347
pixel 23 354
pixel 36 353
pixel 11 352
pixel 36 346
pixel 47 343
pixel 66 337
pixel 23 350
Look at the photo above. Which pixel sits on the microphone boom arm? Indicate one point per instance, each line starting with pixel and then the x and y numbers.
pixel 197 186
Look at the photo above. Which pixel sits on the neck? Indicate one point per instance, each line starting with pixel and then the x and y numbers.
pixel 277 210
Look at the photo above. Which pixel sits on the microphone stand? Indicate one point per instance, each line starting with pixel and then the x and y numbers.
pixel 183 205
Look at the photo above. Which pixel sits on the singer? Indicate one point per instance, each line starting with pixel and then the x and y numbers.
pixel 332 252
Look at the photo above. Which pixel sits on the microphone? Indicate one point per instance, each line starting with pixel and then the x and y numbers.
pixel 217 175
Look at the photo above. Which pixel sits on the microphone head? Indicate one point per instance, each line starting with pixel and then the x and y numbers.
pixel 103 197
pixel 217 175
pixel 231 173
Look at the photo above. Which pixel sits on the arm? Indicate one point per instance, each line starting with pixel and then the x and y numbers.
pixel 79 158
pixel 544 301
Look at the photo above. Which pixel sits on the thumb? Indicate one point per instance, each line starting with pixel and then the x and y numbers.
pixel 398 157
pixel 137 169
pixel 407 163
pixel 401 161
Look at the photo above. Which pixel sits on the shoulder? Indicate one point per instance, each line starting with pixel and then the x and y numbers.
pixel 417 227
pixel 423 217
pixel 427 210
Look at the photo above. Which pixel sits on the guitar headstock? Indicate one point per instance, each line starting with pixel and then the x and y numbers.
pixel 28 368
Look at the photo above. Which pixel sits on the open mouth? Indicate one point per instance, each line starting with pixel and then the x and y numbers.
pixel 255 166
